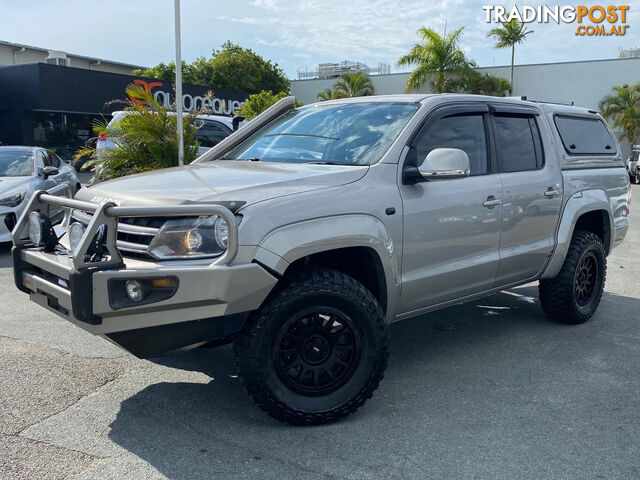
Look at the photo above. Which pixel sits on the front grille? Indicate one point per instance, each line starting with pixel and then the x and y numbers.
pixel 134 233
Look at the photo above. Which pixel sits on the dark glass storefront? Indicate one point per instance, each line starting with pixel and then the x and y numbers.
pixel 55 107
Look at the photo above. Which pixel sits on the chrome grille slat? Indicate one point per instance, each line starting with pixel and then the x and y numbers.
pixel 131 239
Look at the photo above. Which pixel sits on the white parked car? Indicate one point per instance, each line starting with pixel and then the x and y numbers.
pixel 212 129
pixel 24 170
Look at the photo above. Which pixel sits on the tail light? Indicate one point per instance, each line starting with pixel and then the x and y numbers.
pixel 102 137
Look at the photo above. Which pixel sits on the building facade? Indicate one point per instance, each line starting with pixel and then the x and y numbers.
pixel 56 106
pixel 585 83
pixel 18 54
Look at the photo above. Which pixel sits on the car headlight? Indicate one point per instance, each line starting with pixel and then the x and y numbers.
pixel 190 238
pixel 12 200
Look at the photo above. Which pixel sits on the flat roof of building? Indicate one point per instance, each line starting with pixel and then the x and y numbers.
pixel 46 50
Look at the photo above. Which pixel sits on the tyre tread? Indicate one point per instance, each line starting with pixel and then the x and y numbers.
pixel 555 293
pixel 246 345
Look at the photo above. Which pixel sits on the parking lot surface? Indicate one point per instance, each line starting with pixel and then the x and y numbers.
pixel 490 389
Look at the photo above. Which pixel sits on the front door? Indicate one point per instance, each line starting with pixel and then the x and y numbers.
pixel 451 226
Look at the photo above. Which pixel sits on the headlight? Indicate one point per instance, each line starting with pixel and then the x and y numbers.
pixel 12 200
pixel 190 238
pixel 41 232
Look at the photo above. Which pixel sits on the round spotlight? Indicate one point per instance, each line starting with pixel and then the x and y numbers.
pixel 76 231
pixel 35 228
pixel 134 290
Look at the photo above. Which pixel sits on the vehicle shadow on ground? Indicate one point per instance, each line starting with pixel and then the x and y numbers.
pixel 5 255
pixel 492 379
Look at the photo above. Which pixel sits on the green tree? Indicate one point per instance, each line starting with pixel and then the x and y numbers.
pixel 326 94
pixel 438 56
pixel 259 102
pixel 508 36
pixel 622 109
pixel 471 81
pixel 356 84
pixel 147 139
pixel 230 67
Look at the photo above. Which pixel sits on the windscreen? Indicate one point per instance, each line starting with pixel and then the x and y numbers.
pixel 16 164
pixel 344 134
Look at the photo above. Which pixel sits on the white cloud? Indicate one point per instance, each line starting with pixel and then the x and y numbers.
pixel 296 34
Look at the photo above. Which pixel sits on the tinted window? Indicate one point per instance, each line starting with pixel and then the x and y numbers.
pixel 211 133
pixel 348 134
pixel 54 161
pixel 41 159
pixel 465 132
pixel 585 135
pixel 518 143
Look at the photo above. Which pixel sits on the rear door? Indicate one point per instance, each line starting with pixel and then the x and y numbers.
pixel 531 192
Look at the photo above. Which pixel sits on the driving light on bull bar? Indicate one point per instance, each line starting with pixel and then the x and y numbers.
pixel 197 237
pixel 41 232
pixel 76 231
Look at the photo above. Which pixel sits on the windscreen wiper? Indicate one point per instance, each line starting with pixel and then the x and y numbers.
pixel 333 163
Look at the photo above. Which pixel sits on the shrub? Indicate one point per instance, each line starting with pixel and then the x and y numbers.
pixel 146 139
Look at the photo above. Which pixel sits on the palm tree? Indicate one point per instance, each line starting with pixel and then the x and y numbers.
pixel 623 109
pixel 437 55
pixel 509 35
pixel 326 94
pixel 356 84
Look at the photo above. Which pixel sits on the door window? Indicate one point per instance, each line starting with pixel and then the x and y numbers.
pixel 41 159
pixel 519 143
pixel 465 132
pixel 53 159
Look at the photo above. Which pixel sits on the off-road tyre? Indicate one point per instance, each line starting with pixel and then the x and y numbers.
pixel 344 305
pixel 565 298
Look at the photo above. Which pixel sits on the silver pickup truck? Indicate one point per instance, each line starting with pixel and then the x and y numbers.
pixel 302 236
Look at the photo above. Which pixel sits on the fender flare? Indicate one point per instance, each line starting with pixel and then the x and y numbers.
pixel 578 204
pixel 289 243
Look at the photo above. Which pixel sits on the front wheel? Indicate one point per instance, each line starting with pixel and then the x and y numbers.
pixel 574 295
pixel 317 349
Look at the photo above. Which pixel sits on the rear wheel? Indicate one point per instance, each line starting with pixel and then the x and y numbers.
pixel 317 349
pixel 574 295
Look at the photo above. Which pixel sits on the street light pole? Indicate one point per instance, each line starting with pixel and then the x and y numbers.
pixel 179 86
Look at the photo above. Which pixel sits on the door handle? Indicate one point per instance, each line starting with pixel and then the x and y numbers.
pixel 551 192
pixel 491 202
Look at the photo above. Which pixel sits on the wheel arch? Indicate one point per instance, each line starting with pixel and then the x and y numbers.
pixel 358 245
pixel 590 211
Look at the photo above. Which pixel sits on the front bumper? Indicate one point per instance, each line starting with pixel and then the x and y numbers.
pixel 208 301
pixel 82 296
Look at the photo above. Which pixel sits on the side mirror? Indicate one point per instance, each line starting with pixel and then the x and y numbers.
pixel 236 122
pixel 49 171
pixel 445 163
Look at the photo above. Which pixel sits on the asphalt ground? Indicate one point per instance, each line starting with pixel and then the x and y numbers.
pixel 486 390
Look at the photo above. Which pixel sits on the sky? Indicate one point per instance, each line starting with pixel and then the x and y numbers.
pixel 295 34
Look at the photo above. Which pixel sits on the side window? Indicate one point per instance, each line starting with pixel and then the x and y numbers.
pixel 519 143
pixel 584 136
pixel 211 133
pixel 41 159
pixel 465 132
pixel 54 161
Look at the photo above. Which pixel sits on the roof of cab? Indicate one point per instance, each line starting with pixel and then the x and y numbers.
pixel 459 97
pixel 19 148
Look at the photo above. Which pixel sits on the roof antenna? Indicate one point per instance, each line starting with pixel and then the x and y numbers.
pixel 445 28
